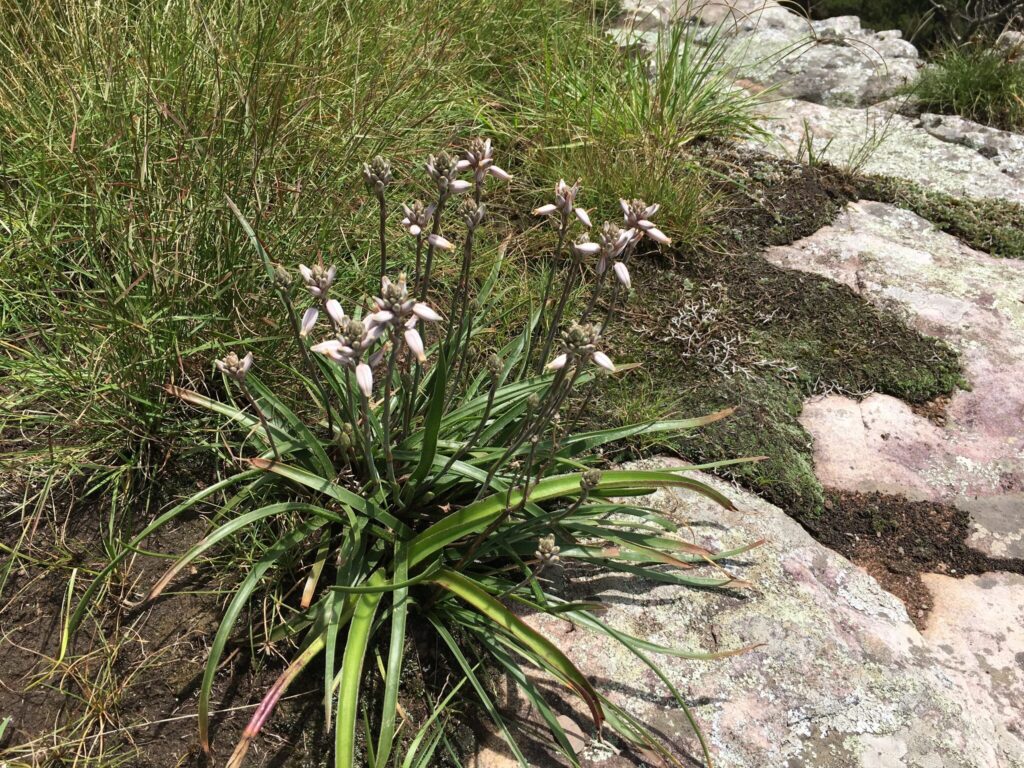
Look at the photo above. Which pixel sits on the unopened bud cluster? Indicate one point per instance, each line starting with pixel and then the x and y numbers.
pixel 547 550
pixel 233 366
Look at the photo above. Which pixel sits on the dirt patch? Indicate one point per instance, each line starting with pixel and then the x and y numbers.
pixel 124 691
pixel 896 540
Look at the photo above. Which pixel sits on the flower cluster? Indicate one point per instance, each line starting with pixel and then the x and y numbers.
pixel 480 158
pixel 638 214
pixel 565 204
pixel 353 338
pixel 579 342
pixel 417 217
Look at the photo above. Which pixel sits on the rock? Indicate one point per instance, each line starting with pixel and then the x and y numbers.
pixel 975 459
pixel 1010 41
pixel 833 62
pixel 841 678
pixel 879 141
pixel 1003 148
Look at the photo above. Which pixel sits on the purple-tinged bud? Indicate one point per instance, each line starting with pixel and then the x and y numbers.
pixel 380 318
pixel 545 210
pixel 583 216
pixel 309 318
pixel 458 186
pixel 622 273
pixel 603 360
pixel 364 377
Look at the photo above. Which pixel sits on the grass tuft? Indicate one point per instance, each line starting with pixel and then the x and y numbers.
pixel 976 82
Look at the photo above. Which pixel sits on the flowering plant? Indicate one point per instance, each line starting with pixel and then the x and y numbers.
pixel 438 481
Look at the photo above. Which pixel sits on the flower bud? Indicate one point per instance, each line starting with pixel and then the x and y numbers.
pixel 494 365
pixel 377 175
pixel 282 277
pixel 590 479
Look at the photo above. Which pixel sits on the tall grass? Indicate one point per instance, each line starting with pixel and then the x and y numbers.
pixel 976 82
pixel 123 125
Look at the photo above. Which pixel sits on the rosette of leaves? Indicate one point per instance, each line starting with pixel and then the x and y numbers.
pixel 426 491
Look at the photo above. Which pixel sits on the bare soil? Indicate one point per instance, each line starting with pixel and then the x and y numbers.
pixel 896 540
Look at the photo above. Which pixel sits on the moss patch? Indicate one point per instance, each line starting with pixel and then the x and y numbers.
pixel 723 327
pixel 993 226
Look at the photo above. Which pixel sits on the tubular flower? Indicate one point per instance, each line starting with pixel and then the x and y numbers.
pixel 583 247
pixel 233 367
pixel 480 158
pixel 638 215
pixel 579 342
pixel 565 203
pixel 318 280
pixel 336 313
pixel 377 175
pixel 438 241
pixel 622 273
pixel 309 318
pixel 417 218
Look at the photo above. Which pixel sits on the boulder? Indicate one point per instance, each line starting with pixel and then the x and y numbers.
pixel 840 677
pixel 881 141
pixel 974 456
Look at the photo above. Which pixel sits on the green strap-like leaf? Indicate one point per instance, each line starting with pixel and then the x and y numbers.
pixel 478 515
pixel 396 647
pixel 554 659
pixel 351 676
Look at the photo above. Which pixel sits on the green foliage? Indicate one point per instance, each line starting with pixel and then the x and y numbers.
pixel 437 489
pixel 977 82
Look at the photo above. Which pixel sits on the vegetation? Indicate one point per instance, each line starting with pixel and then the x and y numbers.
pixel 439 491
pixel 124 129
pixel 977 82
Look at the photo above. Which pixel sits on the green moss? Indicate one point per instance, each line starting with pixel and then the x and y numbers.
pixel 715 329
pixel 993 226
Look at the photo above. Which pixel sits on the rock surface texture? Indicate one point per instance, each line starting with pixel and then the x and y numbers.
pixel 975 302
pixel 841 678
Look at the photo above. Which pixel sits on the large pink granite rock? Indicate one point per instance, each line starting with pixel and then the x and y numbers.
pixel 975 459
pixel 842 678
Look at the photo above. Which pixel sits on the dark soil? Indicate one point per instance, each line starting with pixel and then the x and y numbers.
pixel 126 692
pixel 896 540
